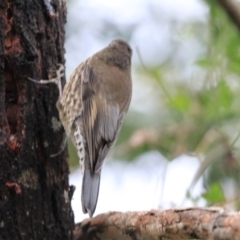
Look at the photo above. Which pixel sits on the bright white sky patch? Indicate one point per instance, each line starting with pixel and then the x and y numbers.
pixel 141 185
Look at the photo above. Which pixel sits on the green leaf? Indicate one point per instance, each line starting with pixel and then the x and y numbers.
pixel 215 194
pixel 204 63
pixel 180 102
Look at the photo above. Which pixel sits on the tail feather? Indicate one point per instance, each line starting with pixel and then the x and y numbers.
pixel 90 190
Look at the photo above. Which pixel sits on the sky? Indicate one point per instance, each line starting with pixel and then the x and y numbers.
pixel 150 182
pixel 151 26
pixel 149 22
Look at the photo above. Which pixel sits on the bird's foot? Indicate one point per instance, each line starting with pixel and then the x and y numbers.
pixel 55 76
pixel 62 147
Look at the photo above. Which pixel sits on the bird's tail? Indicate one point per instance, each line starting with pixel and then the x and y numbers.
pixel 90 190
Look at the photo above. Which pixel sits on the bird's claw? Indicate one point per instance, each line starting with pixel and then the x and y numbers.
pixel 55 77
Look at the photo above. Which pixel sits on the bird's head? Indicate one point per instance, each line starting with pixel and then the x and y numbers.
pixel 121 46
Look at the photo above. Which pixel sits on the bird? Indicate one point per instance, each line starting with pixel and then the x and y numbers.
pixel 92 106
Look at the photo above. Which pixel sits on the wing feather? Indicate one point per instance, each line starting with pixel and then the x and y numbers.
pixel 101 119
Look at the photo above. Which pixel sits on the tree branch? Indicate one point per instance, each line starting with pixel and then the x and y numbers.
pixel 232 8
pixel 185 223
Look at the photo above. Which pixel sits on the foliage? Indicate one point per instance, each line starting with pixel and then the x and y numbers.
pixel 200 115
pixel 195 113
pixel 215 194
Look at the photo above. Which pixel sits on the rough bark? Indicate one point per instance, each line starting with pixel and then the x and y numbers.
pixel 34 189
pixel 175 224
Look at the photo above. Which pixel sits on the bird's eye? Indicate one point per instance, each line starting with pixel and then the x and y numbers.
pixel 129 49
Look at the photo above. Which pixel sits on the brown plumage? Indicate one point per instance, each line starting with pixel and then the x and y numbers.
pixel 92 107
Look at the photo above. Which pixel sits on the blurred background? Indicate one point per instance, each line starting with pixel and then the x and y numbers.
pixel 179 144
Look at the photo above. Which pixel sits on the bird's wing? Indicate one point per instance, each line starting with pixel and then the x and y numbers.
pixel 102 119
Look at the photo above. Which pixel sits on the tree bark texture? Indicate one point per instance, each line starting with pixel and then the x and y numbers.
pixel 173 224
pixel 34 190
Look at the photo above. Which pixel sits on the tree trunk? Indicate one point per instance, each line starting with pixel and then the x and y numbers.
pixel 34 190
